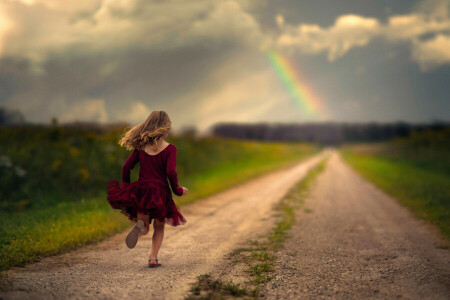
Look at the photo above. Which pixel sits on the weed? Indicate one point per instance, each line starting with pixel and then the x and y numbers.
pixel 263 256
pixel 208 288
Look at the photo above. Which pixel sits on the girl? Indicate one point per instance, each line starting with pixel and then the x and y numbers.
pixel 150 197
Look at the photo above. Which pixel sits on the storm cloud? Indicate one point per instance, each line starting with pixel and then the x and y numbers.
pixel 204 61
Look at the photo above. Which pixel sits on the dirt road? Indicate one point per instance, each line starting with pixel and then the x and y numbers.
pixel 109 270
pixel 355 242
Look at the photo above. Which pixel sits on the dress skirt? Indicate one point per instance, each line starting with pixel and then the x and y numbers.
pixel 148 197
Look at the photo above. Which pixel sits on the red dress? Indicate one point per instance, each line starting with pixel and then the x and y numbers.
pixel 151 194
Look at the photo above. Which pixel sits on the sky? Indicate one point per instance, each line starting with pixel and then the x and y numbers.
pixel 205 62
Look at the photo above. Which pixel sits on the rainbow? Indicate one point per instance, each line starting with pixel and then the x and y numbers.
pixel 303 96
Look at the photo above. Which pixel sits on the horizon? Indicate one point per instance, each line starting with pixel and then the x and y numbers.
pixel 210 130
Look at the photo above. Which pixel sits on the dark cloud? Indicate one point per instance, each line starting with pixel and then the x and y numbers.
pixel 325 12
pixel 204 61
pixel 137 75
pixel 153 68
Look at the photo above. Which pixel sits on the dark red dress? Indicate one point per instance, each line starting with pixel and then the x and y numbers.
pixel 151 194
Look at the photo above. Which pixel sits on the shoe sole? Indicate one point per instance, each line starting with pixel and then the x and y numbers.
pixel 133 237
pixel 154 265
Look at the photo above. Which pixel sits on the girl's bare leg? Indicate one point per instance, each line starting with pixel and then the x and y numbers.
pixel 146 219
pixel 158 235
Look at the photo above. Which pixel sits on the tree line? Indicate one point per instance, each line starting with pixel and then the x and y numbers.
pixel 326 133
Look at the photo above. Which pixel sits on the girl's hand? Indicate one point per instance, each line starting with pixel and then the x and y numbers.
pixel 185 190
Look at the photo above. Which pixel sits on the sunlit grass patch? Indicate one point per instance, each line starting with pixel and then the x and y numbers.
pixel 27 236
pixel 241 169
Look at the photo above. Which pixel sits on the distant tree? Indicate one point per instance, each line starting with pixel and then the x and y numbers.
pixel 11 117
pixel 188 130
pixel 54 121
pixel 328 133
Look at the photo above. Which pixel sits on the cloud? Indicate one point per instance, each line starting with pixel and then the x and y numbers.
pixel 88 110
pixel 351 31
pixel 352 105
pixel 250 97
pixel 411 27
pixel 5 28
pixel 200 60
pixel 227 21
pixel 69 6
pixel 348 31
pixel 127 52
pixel 238 101
pixel 46 28
pixel 433 8
pixel 279 19
pixel 432 53
pixel 135 113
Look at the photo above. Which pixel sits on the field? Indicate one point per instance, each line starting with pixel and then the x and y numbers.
pixel 415 170
pixel 53 182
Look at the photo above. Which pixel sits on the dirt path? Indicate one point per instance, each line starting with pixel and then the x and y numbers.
pixel 358 243
pixel 109 270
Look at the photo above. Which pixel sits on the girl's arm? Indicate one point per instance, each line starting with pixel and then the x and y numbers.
pixel 129 165
pixel 172 173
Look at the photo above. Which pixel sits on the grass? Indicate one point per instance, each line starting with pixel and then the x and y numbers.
pixel 232 173
pixel 259 256
pixel 53 230
pixel 209 288
pixel 424 190
pixel 56 224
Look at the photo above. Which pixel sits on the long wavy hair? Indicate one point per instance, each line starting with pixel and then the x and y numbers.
pixel 150 132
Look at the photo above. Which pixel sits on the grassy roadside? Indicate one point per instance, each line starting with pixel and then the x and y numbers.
pixel 229 174
pixel 28 235
pixel 423 190
pixel 258 256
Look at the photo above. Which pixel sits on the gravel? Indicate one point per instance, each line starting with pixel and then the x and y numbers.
pixel 357 243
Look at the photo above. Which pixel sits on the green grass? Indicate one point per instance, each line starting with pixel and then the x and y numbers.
pixel 27 236
pixel 424 190
pixel 208 288
pixel 56 224
pixel 259 256
pixel 238 171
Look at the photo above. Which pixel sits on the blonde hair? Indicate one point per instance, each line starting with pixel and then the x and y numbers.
pixel 150 131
